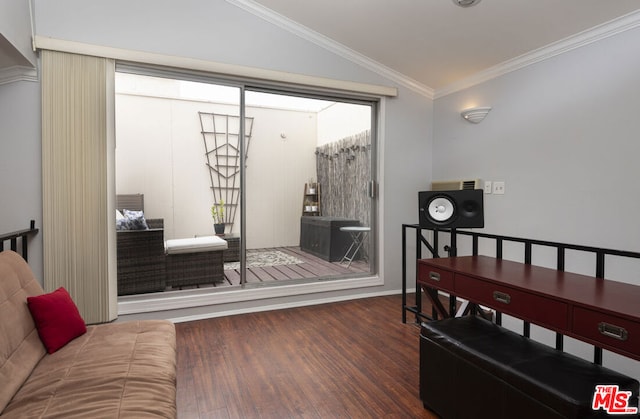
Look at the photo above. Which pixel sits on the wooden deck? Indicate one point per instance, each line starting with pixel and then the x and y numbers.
pixel 311 267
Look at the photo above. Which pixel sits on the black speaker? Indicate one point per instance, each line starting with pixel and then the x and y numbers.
pixel 451 209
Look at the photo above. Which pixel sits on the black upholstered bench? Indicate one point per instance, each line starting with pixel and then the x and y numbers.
pixel 473 368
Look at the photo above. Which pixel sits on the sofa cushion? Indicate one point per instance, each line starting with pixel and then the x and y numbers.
pixel 115 370
pixel 20 346
pixel 133 220
pixel 194 245
pixel 57 318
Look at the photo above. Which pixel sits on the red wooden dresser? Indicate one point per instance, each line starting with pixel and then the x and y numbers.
pixel 602 312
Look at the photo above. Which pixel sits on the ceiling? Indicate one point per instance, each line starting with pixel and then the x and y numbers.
pixel 9 55
pixel 433 42
pixel 437 43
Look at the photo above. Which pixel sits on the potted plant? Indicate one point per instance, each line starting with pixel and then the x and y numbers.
pixel 217 213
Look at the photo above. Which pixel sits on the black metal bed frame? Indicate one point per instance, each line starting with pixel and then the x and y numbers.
pixel 19 236
pixel 561 248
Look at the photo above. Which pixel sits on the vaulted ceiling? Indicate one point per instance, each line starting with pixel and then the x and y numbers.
pixel 437 43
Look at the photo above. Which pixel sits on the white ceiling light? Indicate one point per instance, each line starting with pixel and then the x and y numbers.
pixel 466 3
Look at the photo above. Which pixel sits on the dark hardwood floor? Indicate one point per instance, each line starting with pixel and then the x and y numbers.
pixel 353 359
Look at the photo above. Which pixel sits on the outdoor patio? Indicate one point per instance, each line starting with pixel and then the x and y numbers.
pixel 283 264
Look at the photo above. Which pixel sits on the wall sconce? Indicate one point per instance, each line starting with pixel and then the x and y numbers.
pixel 475 115
pixel 466 3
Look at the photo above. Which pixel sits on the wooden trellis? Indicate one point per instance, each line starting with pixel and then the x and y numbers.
pixel 221 136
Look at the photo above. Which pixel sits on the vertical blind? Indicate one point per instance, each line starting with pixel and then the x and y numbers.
pixel 77 146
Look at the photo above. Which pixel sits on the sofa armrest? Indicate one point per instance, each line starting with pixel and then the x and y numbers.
pixel 155 223
pixel 141 264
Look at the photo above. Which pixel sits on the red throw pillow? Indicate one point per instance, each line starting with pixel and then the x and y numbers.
pixel 57 318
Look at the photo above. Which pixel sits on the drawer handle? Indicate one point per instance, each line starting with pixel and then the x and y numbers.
pixel 613 331
pixel 501 297
pixel 435 276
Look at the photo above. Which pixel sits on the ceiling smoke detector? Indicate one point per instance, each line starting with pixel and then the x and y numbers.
pixel 466 3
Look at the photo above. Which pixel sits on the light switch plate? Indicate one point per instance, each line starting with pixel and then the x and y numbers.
pixel 487 186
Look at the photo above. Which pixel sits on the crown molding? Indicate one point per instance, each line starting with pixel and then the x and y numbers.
pixel 17 73
pixel 331 45
pixel 589 36
pixel 605 30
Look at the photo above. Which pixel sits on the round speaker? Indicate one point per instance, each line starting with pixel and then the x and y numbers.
pixel 451 209
pixel 470 208
pixel 441 209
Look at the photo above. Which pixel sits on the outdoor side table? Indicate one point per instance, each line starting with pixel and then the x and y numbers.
pixel 358 236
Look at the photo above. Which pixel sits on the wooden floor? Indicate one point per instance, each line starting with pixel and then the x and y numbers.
pixel 353 359
pixel 311 267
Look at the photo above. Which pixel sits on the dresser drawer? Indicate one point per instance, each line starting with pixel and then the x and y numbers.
pixel 435 278
pixel 540 310
pixel 607 330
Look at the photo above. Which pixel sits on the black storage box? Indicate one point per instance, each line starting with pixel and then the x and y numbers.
pixel 321 236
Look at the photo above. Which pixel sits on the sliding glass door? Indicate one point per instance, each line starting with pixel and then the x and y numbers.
pixel 308 177
pixel 290 176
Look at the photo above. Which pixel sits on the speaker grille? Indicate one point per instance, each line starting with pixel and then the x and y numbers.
pixel 470 184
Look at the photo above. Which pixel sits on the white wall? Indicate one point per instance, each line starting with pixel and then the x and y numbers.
pixel 277 169
pixel 21 171
pixel 160 153
pixel 20 146
pixel 342 120
pixel 15 27
pixel 563 135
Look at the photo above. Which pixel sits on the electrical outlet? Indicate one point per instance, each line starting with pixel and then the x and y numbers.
pixel 498 188
pixel 487 186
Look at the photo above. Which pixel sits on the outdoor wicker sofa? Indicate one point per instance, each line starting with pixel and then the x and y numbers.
pixel 141 259
pixel 141 264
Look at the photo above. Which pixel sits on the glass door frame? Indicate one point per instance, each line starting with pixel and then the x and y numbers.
pixel 244 85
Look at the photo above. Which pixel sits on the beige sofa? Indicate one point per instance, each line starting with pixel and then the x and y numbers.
pixel 117 370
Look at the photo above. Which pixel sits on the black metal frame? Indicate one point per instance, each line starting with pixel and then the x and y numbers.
pixel 561 248
pixel 23 235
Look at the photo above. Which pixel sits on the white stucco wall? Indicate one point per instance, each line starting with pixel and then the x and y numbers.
pixel 160 153
pixel 342 120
